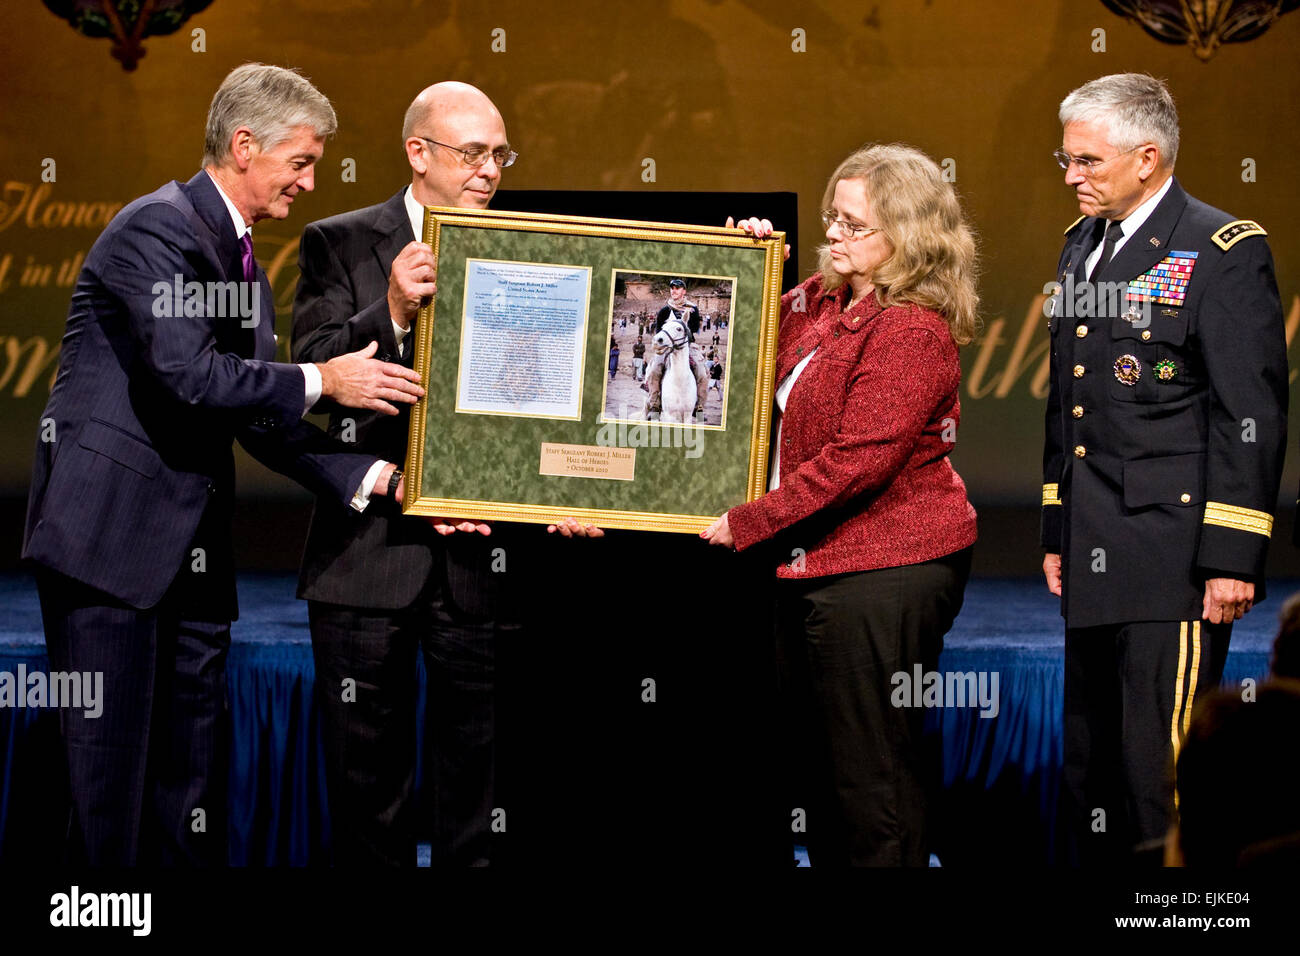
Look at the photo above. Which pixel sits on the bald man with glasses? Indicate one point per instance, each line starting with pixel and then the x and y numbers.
pixel 386 588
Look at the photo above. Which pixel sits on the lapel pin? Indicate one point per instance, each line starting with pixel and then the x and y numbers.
pixel 1128 369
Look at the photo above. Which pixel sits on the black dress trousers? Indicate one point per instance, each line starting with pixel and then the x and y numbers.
pixel 1129 692
pixel 862 767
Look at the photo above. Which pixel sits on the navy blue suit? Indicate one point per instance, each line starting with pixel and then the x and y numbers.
pixel 130 506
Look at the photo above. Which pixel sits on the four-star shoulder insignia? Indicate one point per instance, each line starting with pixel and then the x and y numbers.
pixel 1071 226
pixel 1231 234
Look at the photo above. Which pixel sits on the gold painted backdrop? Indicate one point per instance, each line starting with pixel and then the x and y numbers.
pixel 720 94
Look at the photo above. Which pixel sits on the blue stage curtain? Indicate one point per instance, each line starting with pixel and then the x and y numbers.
pixel 279 813
pixel 1000 775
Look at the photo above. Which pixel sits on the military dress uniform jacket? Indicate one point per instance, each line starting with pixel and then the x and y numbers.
pixel 1166 419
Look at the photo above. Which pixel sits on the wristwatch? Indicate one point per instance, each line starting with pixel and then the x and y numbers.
pixel 393 481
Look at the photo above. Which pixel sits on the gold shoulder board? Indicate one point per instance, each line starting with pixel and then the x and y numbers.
pixel 1234 232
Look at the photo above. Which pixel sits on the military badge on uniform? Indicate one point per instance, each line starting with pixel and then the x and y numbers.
pixel 1128 369
pixel 1165 283
pixel 1234 232
pixel 1131 314
pixel 1165 370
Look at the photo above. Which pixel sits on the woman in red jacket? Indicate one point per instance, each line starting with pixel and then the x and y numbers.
pixel 869 518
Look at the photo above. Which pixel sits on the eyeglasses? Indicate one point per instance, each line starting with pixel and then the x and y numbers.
pixel 849 230
pixel 1087 166
pixel 477 156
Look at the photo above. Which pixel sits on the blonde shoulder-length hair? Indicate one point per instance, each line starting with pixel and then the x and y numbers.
pixel 934 262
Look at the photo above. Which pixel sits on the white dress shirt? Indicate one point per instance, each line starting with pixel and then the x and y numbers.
pixel 1130 226
pixel 310 373
pixel 782 396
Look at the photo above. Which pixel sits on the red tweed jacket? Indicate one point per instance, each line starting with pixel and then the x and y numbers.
pixel 865 477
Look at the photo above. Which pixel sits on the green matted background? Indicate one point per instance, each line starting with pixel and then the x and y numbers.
pixel 495 458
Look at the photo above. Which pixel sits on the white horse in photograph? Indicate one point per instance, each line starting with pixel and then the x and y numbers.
pixel 678 391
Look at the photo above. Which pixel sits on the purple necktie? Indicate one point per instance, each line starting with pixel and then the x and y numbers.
pixel 246 256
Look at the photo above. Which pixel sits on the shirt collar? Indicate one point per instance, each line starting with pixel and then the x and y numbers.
pixel 852 319
pixel 236 217
pixel 416 213
pixel 1142 213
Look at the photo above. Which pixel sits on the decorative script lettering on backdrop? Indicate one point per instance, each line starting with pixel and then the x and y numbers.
pixel 1008 359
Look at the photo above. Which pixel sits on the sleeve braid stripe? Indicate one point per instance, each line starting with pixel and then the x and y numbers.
pixel 1239 519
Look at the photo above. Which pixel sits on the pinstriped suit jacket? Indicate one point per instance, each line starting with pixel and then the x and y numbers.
pixel 147 403
pixel 378 559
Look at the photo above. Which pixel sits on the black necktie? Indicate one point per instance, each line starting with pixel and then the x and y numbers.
pixel 1114 233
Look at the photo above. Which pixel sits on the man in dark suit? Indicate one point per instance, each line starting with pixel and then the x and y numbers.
pixel 166 359
pixel 1166 430
pixel 381 586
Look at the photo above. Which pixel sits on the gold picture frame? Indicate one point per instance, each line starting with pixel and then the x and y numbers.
pixel 521 347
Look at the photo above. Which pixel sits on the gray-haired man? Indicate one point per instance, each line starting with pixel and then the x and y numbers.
pixel 129 516
pixel 1166 430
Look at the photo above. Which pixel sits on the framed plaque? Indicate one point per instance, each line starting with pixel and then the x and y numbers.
pixel 542 348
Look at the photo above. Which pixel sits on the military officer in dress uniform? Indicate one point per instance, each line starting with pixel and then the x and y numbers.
pixel 1166 432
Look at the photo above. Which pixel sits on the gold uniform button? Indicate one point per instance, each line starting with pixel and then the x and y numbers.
pixel 1146 335
pixel 1185 498
pixel 1081 331
pixel 1080 451
pixel 1078 371
pixel 1077 411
